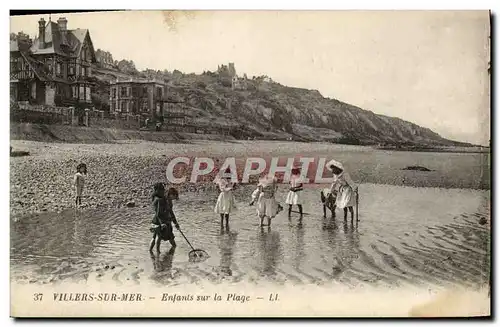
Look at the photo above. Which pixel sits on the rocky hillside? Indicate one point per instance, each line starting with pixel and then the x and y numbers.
pixel 264 109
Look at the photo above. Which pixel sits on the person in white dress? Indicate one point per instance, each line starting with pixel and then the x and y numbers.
pixel 344 186
pixel 265 195
pixel 225 202
pixel 294 196
pixel 79 182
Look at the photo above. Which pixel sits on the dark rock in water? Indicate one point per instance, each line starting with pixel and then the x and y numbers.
pixel 131 204
pixel 417 168
pixel 18 153
pixel 483 221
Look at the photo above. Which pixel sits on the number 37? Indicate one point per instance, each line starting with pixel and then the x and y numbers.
pixel 37 296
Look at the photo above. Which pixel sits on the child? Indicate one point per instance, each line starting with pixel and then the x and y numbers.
pixel 346 197
pixel 225 201
pixel 161 225
pixel 294 196
pixel 328 199
pixel 79 182
pixel 267 206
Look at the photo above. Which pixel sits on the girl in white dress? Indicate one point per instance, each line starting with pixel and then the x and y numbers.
pixel 345 187
pixel 225 202
pixel 294 196
pixel 265 195
pixel 79 182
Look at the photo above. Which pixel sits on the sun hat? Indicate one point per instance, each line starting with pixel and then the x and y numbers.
pixel 334 163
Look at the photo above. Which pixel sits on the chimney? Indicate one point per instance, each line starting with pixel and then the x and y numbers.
pixel 41 33
pixel 62 22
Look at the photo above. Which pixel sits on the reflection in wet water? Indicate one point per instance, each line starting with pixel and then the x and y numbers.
pixel 162 265
pixel 227 241
pixel 269 247
pixel 298 232
pixel 406 236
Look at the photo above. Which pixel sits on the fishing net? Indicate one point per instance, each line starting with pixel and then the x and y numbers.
pixel 198 255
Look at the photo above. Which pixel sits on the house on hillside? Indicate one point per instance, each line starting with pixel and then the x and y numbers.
pixel 55 69
pixel 137 96
pixel 148 98
pixel 229 73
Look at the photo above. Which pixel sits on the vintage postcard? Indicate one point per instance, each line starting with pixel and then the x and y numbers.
pixel 250 164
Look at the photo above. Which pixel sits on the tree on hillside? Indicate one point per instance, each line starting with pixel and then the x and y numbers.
pixel 19 36
pixel 127 66
pixel 281 120
pixel 177 74
pixel 24 41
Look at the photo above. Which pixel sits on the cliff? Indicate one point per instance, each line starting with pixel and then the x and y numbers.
pixel 265 109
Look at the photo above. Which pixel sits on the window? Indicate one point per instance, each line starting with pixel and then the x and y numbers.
pixel 58 68
pixel 158 92
pixel 113 92
pixel 113 106
pixel 123 91
pixel 122 106
pixel 71 69
pixel 13 64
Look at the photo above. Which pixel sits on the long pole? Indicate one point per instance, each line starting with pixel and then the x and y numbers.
pixel 357 205
pixel 186 239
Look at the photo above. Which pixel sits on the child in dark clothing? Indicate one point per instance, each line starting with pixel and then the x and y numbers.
pixel 161 225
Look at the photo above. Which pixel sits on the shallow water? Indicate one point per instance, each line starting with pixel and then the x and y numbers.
pixel 405 236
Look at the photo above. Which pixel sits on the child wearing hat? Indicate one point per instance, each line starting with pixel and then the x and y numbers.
pixel 294 196
pixel 225 202
pixel 345 187
pixel 265 195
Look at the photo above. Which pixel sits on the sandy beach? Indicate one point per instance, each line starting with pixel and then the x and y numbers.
pixel 125 171
pixel 416 229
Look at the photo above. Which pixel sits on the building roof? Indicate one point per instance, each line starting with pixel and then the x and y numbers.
pixel 54 43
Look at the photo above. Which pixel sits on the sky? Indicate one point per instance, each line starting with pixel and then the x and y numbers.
pixel 427 67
